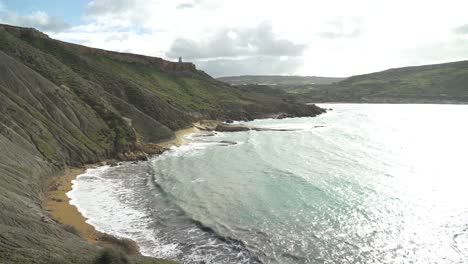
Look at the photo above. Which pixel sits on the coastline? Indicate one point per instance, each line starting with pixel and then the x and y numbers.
pixel 179 137
pixel 60 209
pixel 58 205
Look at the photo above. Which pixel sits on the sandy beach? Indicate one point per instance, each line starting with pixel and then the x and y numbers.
pixel 58 203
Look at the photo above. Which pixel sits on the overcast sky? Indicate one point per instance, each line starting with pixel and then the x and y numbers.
pixel 303 37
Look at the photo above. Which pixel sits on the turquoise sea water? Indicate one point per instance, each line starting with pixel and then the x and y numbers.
pixel 360 184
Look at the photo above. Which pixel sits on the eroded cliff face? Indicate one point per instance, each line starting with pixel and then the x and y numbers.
pixel 42 128
pixel 65 105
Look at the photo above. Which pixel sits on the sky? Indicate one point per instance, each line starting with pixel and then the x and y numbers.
pixel 334 38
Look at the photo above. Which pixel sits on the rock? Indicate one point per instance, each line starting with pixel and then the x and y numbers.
pixel 207 125
pixel 223 142
pixel 205 134
pixel 231 128
pixel 133 156
pixel 229 121
pixel 112 163
pixel 153 149
pixel 227 142
pixel 54 187
pixel 283 115
pixel 272 129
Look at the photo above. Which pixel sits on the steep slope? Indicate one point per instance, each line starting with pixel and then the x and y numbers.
pixel 440 83
pixel 181 92
pixel 40 129
pixel 66 105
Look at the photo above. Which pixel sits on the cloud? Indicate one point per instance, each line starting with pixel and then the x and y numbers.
pixel 319 37
pixel 237 51
pixel 38 19
pixel 234 42
pixel 451 50
pixel 461 30
pixel 119 12
pixel 342 28
pixel 114 7
pixel 189 5
pixel 254 65
pixel 185 6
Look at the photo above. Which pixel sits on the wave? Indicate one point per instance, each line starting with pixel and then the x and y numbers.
pixel 362 189
pixel 204 243
pixel 127 201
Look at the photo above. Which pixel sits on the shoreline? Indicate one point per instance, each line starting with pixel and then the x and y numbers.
pixel 59 207
pixel 57 203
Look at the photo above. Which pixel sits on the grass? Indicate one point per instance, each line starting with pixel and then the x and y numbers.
pixel 431 83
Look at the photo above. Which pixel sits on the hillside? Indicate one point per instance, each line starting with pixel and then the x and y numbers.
pixel 65 105
pixel 279 80
pixel 291 84
pixel 439 83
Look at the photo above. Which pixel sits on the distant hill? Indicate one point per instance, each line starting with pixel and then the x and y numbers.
pixel 438 83
pixel 279 80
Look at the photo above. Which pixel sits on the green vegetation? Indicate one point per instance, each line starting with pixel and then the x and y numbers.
pixel 282 81
pixel 112 256
pixel 440 83
pixel 126 246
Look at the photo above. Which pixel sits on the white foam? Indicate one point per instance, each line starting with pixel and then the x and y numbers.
pixel 102 201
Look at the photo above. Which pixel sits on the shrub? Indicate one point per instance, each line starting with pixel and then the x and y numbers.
pixel 122 244
pixel 112 256
pixel 71 229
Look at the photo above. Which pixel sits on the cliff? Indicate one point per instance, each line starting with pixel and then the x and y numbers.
pixel 64 105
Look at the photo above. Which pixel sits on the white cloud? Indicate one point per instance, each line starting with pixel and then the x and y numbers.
pixel 462 30
pixel 333 38
pixel 342 28
pixel 37 19
pixel 263 65
pixel 235 42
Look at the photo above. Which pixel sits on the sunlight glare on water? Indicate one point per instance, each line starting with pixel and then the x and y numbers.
pixel 360 184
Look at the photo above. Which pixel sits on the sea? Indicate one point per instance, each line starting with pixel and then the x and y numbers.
pixel 362 183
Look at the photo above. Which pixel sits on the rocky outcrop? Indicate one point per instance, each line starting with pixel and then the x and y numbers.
pixel 231 128
pixel 132 156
